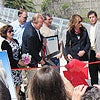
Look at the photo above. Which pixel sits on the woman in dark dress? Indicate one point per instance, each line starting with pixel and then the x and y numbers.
pixel 13 50
pixel 77 40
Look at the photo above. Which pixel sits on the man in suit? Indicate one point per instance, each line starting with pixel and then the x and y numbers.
pixel 32 40
pixel 94 34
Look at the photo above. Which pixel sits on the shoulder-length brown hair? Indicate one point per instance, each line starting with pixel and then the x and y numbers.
pixel 47 84
pixel 4 29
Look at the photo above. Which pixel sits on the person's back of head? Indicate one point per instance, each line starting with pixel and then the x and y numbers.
pixel 4 92
pixel 3 74
pixel 91 94
pixel 47 84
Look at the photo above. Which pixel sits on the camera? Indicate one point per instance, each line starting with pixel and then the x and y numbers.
pixel 89 88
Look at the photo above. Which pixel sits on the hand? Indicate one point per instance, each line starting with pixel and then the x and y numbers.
pixel 21 62
pixel 98 55
pixel 59 55
pixel 69 57
pixel 42 62
pixel 44 41
pixel 78 92
pixel 81 53
pixel 96 85
pixel 43 54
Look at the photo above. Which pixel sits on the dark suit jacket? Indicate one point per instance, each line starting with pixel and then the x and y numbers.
pixel 31 44
pixel 74 45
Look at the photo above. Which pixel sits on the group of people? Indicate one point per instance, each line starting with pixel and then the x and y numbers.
pixel 48 84
pixel 13 46
pixel 81 43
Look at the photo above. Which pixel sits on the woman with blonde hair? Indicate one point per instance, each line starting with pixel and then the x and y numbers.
pixel 77 40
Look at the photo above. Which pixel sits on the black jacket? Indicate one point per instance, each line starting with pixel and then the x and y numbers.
pixel 31 44
pixel 74 45
pixel 5 46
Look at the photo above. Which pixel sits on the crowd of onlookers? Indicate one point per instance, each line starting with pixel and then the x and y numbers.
pixel 48 84
pixel 22 37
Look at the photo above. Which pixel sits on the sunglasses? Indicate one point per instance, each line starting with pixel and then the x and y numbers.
pixel 25 17
pixel 79 22
pixel 50 19
pixel 10 31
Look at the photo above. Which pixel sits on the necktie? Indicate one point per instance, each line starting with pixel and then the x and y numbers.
pixel 39 34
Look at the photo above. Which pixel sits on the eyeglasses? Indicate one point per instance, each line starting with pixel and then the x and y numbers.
pixel 10 31
pixel 79 22
pixel 25 17
pixel 50 19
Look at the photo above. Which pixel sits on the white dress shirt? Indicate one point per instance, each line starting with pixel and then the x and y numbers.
pixel 18 31
pixel 92 36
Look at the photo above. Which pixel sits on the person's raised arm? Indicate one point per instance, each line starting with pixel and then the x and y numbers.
pixel 78 92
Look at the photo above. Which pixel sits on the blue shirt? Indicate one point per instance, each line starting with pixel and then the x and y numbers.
pixel 18 30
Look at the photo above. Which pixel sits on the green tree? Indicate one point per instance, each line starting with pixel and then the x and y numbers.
pixel 17 4
pixel 65 6
pixel 45 4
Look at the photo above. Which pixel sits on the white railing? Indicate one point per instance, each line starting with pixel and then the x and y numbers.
pixel 8 15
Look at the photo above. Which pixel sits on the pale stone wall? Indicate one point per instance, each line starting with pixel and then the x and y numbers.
pixel 75 6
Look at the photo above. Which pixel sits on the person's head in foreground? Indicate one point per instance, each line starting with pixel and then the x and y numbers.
pixel 47 84
pixel 91 94
pixel 83 92
pixel 4 92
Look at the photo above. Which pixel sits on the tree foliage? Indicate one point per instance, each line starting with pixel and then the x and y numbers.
pixel 17 4
pixel 59 10
pixel 65 6
pixel 46 4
